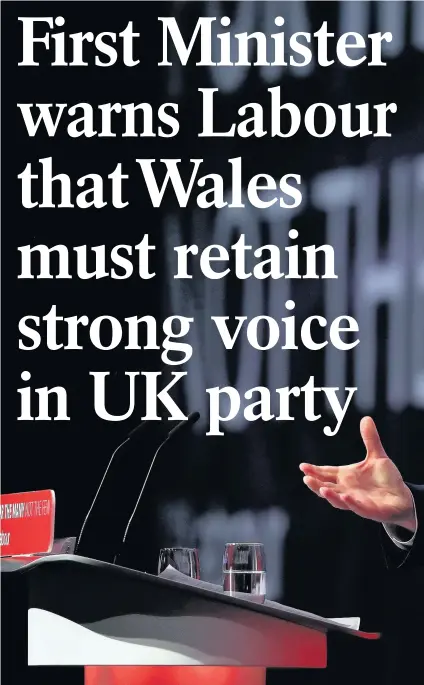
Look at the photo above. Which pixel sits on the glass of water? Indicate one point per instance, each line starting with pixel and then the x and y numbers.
pixel 244 570
pixel 183 559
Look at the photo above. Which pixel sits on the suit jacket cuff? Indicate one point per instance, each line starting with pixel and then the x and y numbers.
pixel 397 551
pixel 401 537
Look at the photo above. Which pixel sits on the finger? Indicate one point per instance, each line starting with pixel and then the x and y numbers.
pixel 371 438
pixel 328 473
pixel 315 484
pixel 333 497
pixel 354 505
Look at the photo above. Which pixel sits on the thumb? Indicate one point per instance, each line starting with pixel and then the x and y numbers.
pixel 371 438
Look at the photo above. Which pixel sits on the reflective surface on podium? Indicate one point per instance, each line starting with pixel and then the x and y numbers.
pixel 173 675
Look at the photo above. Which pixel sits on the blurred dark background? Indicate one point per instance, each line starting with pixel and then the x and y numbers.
pixel 364 196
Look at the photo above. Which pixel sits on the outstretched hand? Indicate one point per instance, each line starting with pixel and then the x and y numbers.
pixel 372 488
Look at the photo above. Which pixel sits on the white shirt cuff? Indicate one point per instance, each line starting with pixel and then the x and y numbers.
pixel 393 532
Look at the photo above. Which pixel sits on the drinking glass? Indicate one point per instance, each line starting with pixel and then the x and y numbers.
pixel 244 570
pixel 183 559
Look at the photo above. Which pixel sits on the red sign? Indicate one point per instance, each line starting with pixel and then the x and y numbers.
pixel 27 523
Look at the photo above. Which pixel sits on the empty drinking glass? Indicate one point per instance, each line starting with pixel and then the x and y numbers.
pixel 183 559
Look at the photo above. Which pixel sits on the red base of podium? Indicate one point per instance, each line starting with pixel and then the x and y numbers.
pixel 173 675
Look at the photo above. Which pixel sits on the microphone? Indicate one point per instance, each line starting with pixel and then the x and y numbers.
pixel 134 433
pixel 185 424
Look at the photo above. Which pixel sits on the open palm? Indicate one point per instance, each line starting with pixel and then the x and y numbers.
pixel 372 488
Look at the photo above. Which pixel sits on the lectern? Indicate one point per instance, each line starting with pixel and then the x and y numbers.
pixel 78 611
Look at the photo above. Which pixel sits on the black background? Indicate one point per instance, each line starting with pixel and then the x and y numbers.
pixel 333 562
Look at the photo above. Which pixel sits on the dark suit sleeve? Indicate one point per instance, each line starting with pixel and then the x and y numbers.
pixel 414 556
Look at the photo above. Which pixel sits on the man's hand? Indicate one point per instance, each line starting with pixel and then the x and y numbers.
pixel 373 488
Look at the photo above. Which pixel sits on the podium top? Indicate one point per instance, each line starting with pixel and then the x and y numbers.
pixel 83 577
